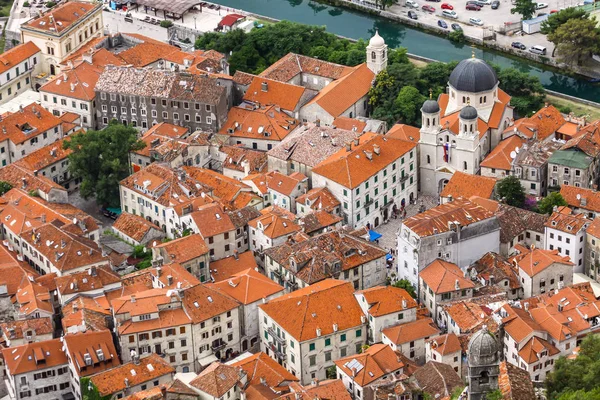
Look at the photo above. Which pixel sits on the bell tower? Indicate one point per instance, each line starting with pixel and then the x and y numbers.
pixel 377 54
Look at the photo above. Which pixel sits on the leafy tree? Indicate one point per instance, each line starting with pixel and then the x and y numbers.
pixel 398 56
pixel 50 4
pixel 511 191
pixel 89 391
pixel 4 187
pixel 331 372
pixel 165 23
pixel 546 205
pixel 495 395
pixel 524 7
pixel 527 91
pixel 26 4
pixel 408 103
pixel 406 285
pixel 575 39
pixel 101 160
pixel 577 378
pixel 435 76
pixel 457 36
pixel 557 19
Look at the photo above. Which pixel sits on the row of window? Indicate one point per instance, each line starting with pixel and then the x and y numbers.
pixel 9 91
pixel 154 101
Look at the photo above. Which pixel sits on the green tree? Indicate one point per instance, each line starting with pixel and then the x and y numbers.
pixel 408 103
pixel 435 76
pixel 495 395
pixel 527 91
pixel 457 36
pixel 406 285
pixel 546 205
pixel 89 391
pixel 165 23
pixel 511 191
pixel 575 39
pixel 557 19
pixel 101 160
pixel 4 187
pixel 577 378
pixel 524 7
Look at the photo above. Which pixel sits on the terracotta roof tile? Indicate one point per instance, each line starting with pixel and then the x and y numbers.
pixel 377 361
pixel 20 177
pixel 466 185
pixel 500 156
pixel 538 260
pixel 114 380
pixel 446 344
pixel 80 344
pixel 216 380
pixel 264 122
pixel 534 346
pixel 469 316
pixel 134 226
pixel 45 157
pixel 77 82
pixel 349 124
pixel 270 92
pixel 60 19
pixel 18 54
pixel 301 312
pixel 405 132
pixel 575 197
pixel 384 300
pixel 228 267
pixel 260 366
pixel 275 224
pixel 33 356
pixel 202 303
pixel 443 277
pixel 184 249
pixel 32 120
pixel 411 331
pixel 94 278
pixel 212 220
pixel 326 390
pixel 515 383
pixel 438 380
pixel 248 287
pixel 545 123
pixel 86 314
pixel 236 157
pixel 319 199
pixel 318 220
pixel 18 329
pixel 290 65
pixel 567 223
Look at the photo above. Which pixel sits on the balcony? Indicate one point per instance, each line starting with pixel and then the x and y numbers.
pixel 218 345
pixel 403 178
pixel 281 356
pixel 369 202
pixel 274 335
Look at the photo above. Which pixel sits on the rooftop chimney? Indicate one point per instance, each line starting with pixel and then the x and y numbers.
pixel 264 86
pixel 376 149
pixel 356 141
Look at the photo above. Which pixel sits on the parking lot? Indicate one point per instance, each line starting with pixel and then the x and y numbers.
pixel 493 20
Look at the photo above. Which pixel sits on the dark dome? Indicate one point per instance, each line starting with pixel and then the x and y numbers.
pixel 430 107
pixel 483 348
pixel 469 112
pixel 473 75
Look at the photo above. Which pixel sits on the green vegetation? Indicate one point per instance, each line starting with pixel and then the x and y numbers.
pixel 457 36
pixel 406 285
pixel 527 91
pixel 165 23
pixel 456 393
pixel 546 205
pixel 89 391
pixel 50 4
pixel 26 4
pixel 5 6
pixel 557 19
pixel 511 192
pixel 578 378
pixel 495 395
pixel 4 187
pixel 140 251
pixel 580 109
pixel 101 159
pixel 524 7
pixel 576 39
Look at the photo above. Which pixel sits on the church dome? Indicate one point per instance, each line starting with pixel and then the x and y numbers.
pixel 483 348
pixel 473 75
pixel 468 113
pixel 430 107
pixel 376 41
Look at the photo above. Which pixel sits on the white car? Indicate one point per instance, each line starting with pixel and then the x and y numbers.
pixel 450 14
pixel 412 4
pixel 476 21
pixel 539 6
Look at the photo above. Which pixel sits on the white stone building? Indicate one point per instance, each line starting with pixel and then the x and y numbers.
pixel 409 339
pixel 19 65
pixel 566 233
pixel 542 271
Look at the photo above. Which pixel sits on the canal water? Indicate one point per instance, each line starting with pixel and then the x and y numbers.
pixel 356 25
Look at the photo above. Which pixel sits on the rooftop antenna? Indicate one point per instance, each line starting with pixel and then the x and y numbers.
pixel 430 93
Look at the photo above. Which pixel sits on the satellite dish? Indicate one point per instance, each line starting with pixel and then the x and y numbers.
pixel 517 149
pixel 578 196
pixel 513 154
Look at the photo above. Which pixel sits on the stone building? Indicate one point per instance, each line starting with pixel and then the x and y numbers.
pixel 484 354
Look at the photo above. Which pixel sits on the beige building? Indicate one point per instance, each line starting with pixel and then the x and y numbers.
pixel 63 30
pixel 542 271
pixel 409 339
pixel 18 67
pixel 445 349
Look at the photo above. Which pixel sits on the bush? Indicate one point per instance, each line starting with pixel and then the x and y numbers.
pixel 457 36
pixel 165 23
pixel 50 4
pixel 26 4
pixel 565 109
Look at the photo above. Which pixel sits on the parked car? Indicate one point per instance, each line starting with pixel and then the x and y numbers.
pixel 446 6
pixel 435 1
pixel 476 21
pixel 495 4
pixel 538 50
pixel 457 27
pixel 518 45
pixel 539 6
pixel 428 8
pixel 412 15
pixel 553 11
pixel 412 4
pixel 486 2
pixel 473 7
pixel 442 24
pixel 450 14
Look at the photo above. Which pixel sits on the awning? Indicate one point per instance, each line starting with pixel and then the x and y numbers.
pixel 207 360
pixel 373 236
pixel 388 256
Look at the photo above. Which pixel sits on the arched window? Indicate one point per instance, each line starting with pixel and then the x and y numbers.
pixel 485 99
pixel 484 378
pixel 464 99
pixel 427 121
pixel 471 128
pixel 480 99
pixel 465 165
pixel 466 128
pixel 428 159
pixel 447 138
pixel 373 55
pixel 433 121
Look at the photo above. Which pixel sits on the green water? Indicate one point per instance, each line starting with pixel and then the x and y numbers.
pixel 354 24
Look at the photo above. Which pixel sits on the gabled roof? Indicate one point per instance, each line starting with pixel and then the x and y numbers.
pixel 372 364
pixel 134 226
pixel 443 277
pixel 23 178
pixel 202 302
pixel 216 380
pixel 318 220
pixel 328 305
pixel 501 156
pixel 18 329
pixel 531 351
pixel 228 267
pixel 466 185
pixel 384 300
pixel 274 223
pixel 18 54
pixel 411 331
pixel 248 287
pixel 319 199
pixel 468 316
pixel 94 278
pixel 45 157
pixel 265 122
pixel 538 260
pixel 212 220
pixel 260 366
pixel 515 383
pixel 30 121
pixel 545 122
pixel 405 132
pixel 77 82
pixel 290 65
pixel 270 92
pixel 445 344
pixel 33 356
pixel 184 249
pixel 575 197
pixel 333 389
pixel 567 223
pixel 91 343
pixel 61 18
pixel 438 380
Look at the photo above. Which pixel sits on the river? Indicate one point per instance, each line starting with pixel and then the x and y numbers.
pixel 356 25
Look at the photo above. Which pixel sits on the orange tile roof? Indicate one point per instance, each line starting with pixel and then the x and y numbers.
pixel 351 168
pixel 34 356
pixel 445 344
pixel 325 305
pixel 515 383
pixel 235 157
pixel 333 389
pixel 469 316
pixel 290 65
pixel 405 132
pixel 91 279
pixel 466 185
pixel 18 54
pixel 263 122
pixel 567 223
pixel 85 313
pixel 175 274
pixel 587 140
pixel 79 344
pixel 149 368
pixel 18 329
pixel 531 351
pixel 376 361
pixel 61 18
pixel 202 303
pixel 222 187
pixel 216 380
pixel 184 249
pixel 275 225
pixel 226 268
pixel 538 260
pixel 260 366
pixel 20 177
pixel 134 226
pixel 350 124
pixel 284 184
pixel 30 121
pixel 319 199
pixel 442 277
pixel 145 302
pixel 77 82
pixel 384 300
pixel 212 220
pixel 594 228
pixel 576 197
pixel 13 272
pixel 248 287
pixel 554 322
pixel 452 123
pixel 420 329
pixel 45 157
pixel 317 221
pixel 500 156
pixel 269 92
pixel 341 94
pixel 545 122
pixel 435 220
